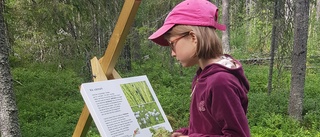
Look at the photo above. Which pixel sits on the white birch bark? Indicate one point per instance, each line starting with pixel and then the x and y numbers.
pixel 318 10
pixel 226 21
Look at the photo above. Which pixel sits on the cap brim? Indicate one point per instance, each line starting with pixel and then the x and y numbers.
pixel 220 27
pixel 157 36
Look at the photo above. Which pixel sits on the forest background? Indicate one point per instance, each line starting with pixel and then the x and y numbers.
pixel 52 42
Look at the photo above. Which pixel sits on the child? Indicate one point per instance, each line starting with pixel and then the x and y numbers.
pixel 219 89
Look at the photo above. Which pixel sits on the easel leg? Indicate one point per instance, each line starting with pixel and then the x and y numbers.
pixel 84 123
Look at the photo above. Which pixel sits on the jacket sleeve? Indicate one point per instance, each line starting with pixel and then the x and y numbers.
pixel 183 131
pixel 203 135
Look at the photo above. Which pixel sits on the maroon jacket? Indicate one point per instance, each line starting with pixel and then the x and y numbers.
pixel 219 102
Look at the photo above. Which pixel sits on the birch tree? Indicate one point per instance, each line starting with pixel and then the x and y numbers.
pixel 318 10
pixel 299 56
pixel 9 125
pixel 248 7
pixel 226 21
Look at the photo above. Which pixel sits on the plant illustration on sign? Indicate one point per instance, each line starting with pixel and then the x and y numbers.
pixel 142 104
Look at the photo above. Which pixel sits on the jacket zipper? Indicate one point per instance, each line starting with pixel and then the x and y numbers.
pixel 194 88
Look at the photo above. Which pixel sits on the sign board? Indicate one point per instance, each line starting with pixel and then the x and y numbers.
pixel 124 107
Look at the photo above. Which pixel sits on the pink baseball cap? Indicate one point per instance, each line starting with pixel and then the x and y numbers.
pixel 189 12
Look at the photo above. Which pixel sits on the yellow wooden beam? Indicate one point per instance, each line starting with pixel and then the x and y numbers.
pixel 85 119
pixel 119 35
pixel 104 68
pixel 83 124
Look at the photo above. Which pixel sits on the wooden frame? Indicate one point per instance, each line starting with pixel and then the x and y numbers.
pixel 103 68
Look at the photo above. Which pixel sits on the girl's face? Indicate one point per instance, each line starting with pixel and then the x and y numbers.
pixel 183 48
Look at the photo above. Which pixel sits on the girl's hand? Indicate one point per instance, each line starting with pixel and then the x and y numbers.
pixel 177 134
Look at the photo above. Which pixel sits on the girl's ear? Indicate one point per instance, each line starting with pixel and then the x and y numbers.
pixel 194 41
pixel 193 37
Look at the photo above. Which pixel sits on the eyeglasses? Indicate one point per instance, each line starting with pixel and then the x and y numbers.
pixel 173 42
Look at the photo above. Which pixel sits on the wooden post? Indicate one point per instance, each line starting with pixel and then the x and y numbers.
pixel 119 34
pixel 103 68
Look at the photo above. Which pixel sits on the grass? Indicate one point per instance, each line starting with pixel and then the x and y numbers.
pixel 50 104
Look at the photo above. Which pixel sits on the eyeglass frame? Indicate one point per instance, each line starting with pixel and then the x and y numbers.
pixel 172 43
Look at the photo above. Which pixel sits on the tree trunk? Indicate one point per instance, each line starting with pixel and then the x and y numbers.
pixel 276 36
pixel 136 46
pixel 299 59
pixel 225 20
pixel 248 7
pixel 318 10
pixel 9 125
pixel 215 2
pixel 127 57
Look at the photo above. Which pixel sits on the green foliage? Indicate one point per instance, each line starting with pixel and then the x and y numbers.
pixel 267 114
pixel 48 100
pixel 314 38
pixel 160 132
pixel 311 103
pixel 258 82
pixel 237 43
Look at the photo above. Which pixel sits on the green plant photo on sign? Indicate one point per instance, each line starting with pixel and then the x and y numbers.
pixel 142 104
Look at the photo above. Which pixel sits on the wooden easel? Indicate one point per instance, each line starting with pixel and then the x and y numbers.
pixel 103 69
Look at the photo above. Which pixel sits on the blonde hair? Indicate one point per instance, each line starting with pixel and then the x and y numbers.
pixel 208 43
